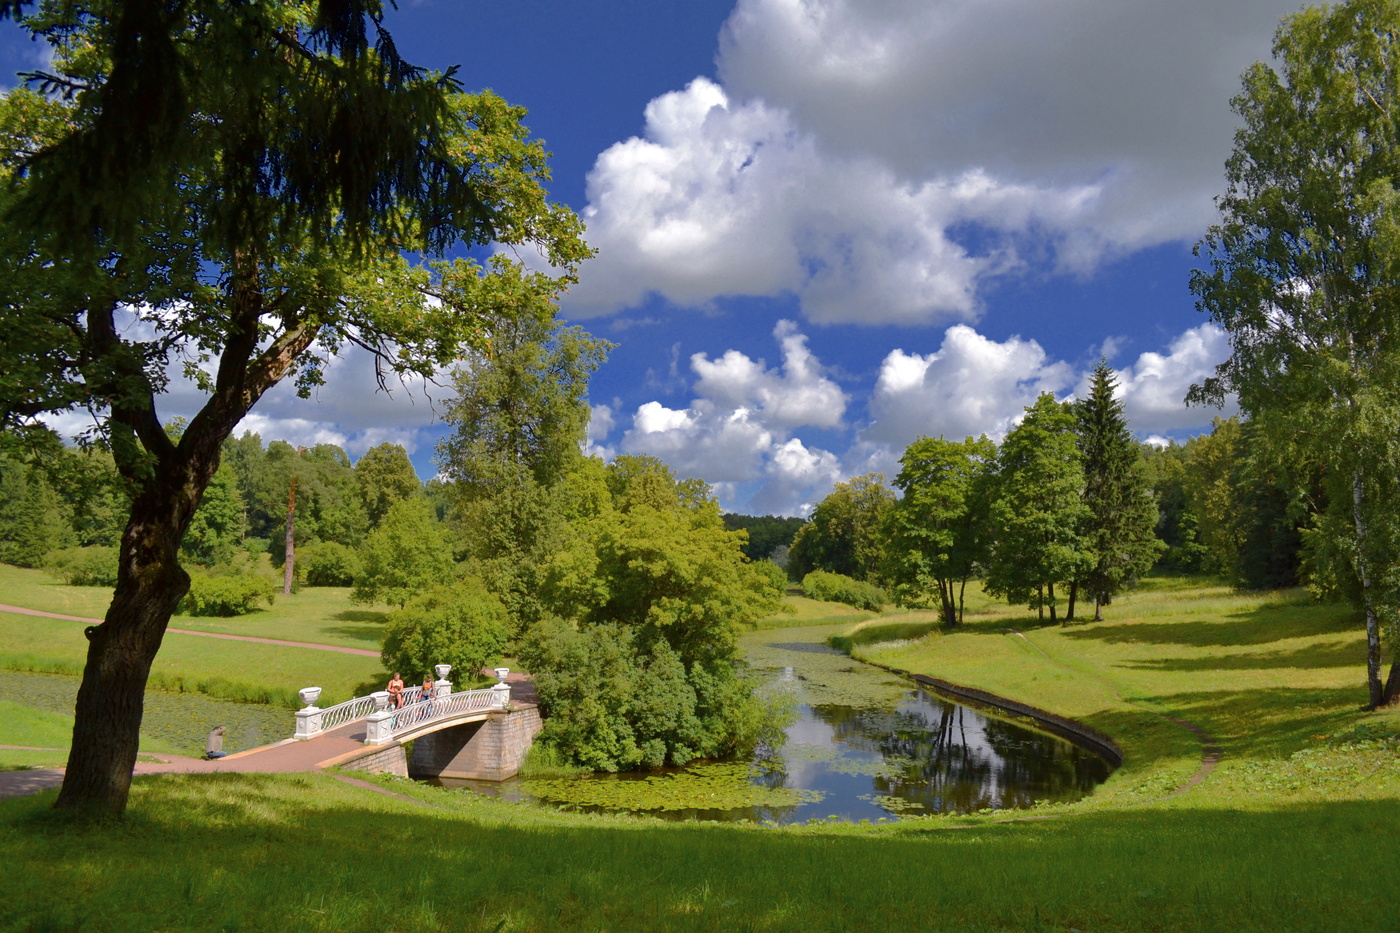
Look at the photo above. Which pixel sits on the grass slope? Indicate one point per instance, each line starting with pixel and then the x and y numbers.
pixel 216 667
pixel 1293 831
pixel 305 852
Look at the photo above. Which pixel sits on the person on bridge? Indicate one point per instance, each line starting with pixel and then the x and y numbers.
pixel 427 696
pixel 214 745
pixel 395 689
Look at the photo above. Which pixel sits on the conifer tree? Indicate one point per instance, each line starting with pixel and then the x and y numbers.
pixel 1120 527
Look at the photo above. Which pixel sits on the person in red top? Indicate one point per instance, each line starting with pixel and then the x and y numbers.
pixel 395 689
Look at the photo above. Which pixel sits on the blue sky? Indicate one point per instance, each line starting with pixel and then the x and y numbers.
pixel 828 226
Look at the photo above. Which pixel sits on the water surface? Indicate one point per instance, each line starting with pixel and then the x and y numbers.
pixel 182 719
pixel 867 745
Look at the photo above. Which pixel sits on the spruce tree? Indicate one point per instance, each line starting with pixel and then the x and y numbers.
pixel 1120 525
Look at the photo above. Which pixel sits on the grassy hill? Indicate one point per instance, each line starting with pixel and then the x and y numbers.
pixel 1294 830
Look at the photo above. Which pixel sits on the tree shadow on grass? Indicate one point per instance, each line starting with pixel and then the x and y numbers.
pixel 1260 626
pixel 361 615
pixel 1177 868
pixel 370 633
pixel 1350 653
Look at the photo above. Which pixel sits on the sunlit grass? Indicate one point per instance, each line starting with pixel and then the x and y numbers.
pixel 1291 832
pixel 319 615
pixel 217 667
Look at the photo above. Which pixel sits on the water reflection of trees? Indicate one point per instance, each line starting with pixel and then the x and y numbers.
pixel 947 757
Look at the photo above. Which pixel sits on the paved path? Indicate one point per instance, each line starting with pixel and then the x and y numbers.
pixel 282 757
pixel 362 652
pixel 289 755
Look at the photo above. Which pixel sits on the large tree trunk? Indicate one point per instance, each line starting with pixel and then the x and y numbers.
pixel 107 717
pixel 1073 595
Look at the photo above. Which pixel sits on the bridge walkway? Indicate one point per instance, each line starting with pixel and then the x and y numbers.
pixel 288 755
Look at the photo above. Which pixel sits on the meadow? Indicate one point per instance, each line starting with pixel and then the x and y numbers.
pixel 215 667
pixel 1293 830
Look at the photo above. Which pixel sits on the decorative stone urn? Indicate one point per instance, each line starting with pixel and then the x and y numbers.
pixel 381 699
pixel 309 696
pixel 501 673
pixel 442 670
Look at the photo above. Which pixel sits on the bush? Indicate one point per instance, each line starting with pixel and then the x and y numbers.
pixel 461 624
pixel 329 563
pixel 777 577
pixel 231 592
pixel 838 588
pixel 84 566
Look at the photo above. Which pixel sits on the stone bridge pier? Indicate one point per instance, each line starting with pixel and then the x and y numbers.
pixel 490 750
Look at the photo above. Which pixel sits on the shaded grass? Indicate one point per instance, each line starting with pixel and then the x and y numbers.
pixel 306 852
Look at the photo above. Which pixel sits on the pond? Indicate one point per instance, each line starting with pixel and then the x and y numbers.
pixel 867 745
pixel 182 719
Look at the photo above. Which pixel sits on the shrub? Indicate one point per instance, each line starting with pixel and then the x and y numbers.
pixel 329 563
pixel 777 577
pixel 230 592
pixel 461 624
pixel 84 566
pixel 838 588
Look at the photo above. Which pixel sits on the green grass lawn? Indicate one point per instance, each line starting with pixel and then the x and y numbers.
pixel 217 667
pixel 1269 676
pixel 1295 830
pixel 52 732
pixel 315 614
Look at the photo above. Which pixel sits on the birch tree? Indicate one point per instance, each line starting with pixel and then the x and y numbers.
pixel 1304 275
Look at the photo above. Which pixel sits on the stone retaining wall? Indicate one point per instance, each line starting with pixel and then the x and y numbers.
pixel 1084 736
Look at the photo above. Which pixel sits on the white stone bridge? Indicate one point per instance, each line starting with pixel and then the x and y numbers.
pixel 478 734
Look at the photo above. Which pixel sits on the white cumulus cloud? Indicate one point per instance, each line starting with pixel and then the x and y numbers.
pixel 883 159
pixel 724 198
pixel 738 428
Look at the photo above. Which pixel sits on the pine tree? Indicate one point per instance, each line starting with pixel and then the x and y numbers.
pixel 1120 528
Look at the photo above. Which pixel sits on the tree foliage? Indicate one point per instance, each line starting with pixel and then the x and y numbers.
pixel 460 623
pixel 636 662
pixel 404 556
pixel 1120 525
pixel 275 166
pixel 385 475
pixel 1038 509
pixel 1304 275
pixel 843 534
pixel 938 531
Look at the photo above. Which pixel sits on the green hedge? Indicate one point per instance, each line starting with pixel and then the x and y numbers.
pixel 839 588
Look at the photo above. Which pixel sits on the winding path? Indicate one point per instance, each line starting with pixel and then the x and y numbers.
pixel 362 652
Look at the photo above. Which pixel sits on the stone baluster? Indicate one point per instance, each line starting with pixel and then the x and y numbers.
pixel 500 691
pixel 442 686
pixel 309 718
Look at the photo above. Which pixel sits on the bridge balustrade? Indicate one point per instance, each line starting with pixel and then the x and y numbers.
pixel 383 722
pixel 383 726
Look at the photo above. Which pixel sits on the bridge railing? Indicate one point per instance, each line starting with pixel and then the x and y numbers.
pixel 382 727
pixel 313 721
pixel 384 721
